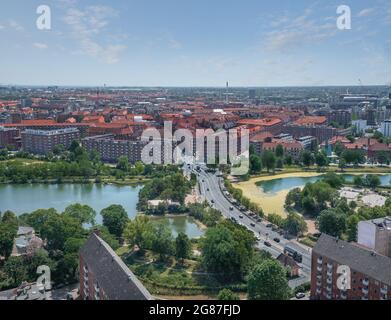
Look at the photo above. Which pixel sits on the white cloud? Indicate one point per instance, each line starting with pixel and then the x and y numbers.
pixel 296 31
pixel 87 27
pixel 366 12
pixel 40 45
pixel 15 25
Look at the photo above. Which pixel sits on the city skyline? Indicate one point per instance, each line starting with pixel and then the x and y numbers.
pixel 178 44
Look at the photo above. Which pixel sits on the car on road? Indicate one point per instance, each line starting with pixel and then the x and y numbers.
pixel 277 240
pixel 300 295
pixel 269 225
pixel 231 208
pixel 207 189
pixel 259 220
pixel 241 216
pixel 212 201
pixel 267 244
pixel 252 224
pixel 234 220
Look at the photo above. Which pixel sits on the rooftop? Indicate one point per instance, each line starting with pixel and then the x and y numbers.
pixel 112 274
pixel 357 258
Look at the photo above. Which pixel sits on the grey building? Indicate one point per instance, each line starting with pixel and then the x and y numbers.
pixel 104 276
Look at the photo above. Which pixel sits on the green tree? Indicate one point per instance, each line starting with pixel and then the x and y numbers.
pixel 321 160
pixel 137 230
pixel 162 241
pixel 372 181
pixel 269 160
pixel 279 151
pixel 341 163
pixel 82 213
pixel 58 228
pixel 332 222
pixel 307 158
pixel 16 270
pixel 227 249
pixel 351 226
pixel 279 163
pixel 382 157
pixel 267 281
pixel 358 181
pixel 182 246
pixel 7 236
pixel 228 295
pixel 255 164
pixel 123 163
pixel 295 224
pixel 115 219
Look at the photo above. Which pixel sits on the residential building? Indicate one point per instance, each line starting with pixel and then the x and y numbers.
pixel 42 142
pixel 360 126
pixel 386 128
pixel 111 149
pixel 376 235
pixel 341 117
pixel 370 272
pixel 9 137
pixel 321 133
pixel 104 276
pixel 26 242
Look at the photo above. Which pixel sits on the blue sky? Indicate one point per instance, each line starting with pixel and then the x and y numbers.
pixel 195 43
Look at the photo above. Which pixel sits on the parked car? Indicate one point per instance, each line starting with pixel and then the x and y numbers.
pixel 267 244
pixel 241 216
pixel 269 225
pixel 277 240
pixel 300 295
pixel 231 208
pixel 252 224
pixel 212 201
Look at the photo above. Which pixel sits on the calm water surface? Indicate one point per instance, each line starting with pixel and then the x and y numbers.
pixel 29 197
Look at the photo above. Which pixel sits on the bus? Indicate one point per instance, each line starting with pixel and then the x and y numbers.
pixel 297 256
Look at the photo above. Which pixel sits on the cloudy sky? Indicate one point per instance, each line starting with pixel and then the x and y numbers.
pixel 195 43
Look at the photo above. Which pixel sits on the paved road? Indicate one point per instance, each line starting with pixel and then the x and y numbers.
pixel 211 188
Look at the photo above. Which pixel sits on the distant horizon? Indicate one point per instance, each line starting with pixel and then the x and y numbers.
pixel 185 87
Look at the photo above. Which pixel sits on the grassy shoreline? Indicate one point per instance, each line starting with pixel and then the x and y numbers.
pixel 274 203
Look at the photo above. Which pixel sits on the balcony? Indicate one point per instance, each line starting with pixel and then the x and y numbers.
pixel 364 298
pixel 329 288
pixel 329 280
pixel 319 268
pixel 318 291
pixel 329 296
pixel 365 282
pixel 320 260
pixel 318 283
pixel 329 266
pixel 365 290
pixel 344 296
pixel 384 290
pixel 329 273
pixel 319 277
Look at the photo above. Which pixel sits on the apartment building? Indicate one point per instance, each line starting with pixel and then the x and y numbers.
pixel 111 149
pixel 104 276
pixel 9 136
pixel 42 141
pixel 376 235
pixel 370 272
